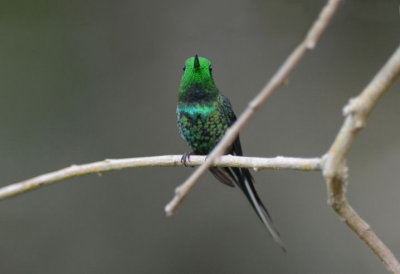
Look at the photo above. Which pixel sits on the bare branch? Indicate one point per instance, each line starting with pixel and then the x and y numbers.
pixel 335 169
pixel 279 78
pixel 357 111
pixel 160 161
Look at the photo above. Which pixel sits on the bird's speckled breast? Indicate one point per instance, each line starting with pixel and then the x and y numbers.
pixel 201 126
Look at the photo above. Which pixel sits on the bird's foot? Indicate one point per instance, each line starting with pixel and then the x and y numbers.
pixel 186 158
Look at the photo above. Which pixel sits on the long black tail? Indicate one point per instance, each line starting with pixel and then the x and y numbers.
pixel 243 179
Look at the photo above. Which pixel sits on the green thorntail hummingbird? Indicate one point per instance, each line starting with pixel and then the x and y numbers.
pixel 204 114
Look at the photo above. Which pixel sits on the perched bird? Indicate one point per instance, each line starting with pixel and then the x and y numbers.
pixel 204 114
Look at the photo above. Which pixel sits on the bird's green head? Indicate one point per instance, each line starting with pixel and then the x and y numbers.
pixel 197 79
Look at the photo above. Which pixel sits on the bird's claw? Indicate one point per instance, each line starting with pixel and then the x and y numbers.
pixel 186 158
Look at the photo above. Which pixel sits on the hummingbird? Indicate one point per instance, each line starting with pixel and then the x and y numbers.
pixel 203 116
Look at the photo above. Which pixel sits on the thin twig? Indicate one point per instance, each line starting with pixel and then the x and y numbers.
pixel 335 169
pixel 279 78
pixel 160 161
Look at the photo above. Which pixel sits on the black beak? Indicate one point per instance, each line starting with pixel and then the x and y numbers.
pixel 196 62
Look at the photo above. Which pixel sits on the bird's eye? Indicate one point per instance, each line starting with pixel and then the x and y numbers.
pixel 210 68
pixel 184 67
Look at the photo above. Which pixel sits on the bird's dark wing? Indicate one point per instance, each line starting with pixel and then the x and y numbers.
pixel 243 179
pixel 224 175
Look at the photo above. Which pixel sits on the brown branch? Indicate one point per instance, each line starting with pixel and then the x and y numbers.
pixel 279 78
pixel 335 169
pixel 167 160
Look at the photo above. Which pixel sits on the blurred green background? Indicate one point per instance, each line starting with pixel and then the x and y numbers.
pixel 82 81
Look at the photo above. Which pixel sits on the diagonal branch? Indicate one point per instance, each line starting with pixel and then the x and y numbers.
pixel 335 169
pixel 160 161
pixel 279 78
